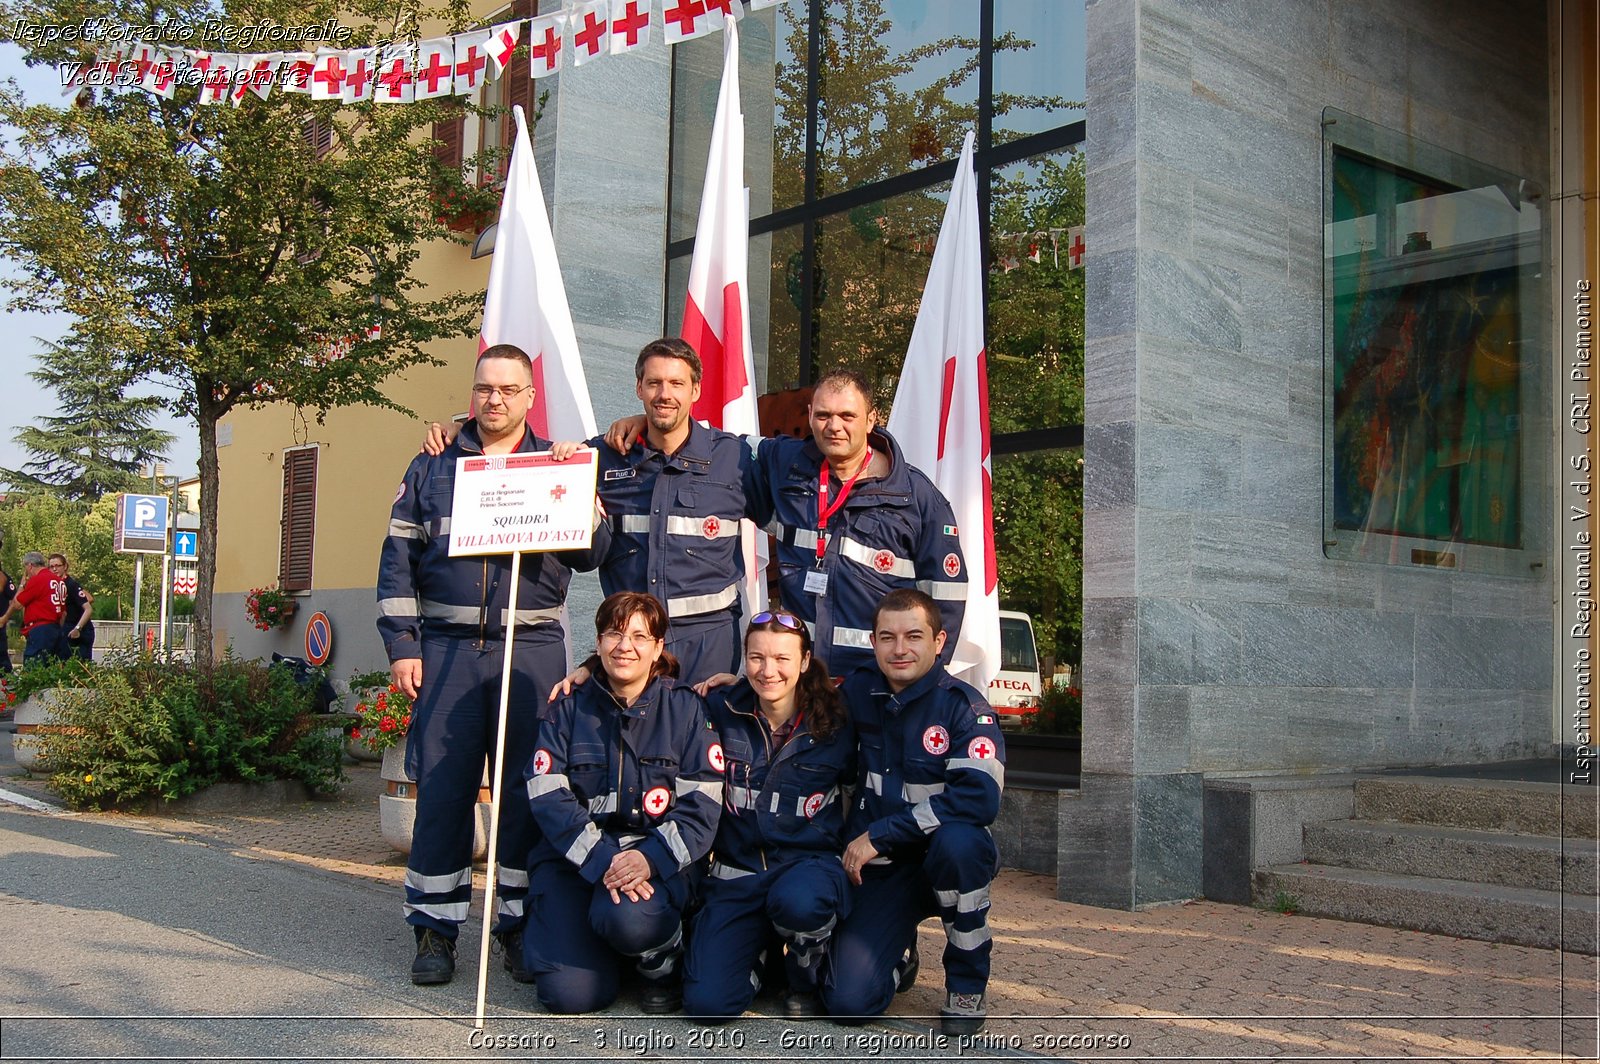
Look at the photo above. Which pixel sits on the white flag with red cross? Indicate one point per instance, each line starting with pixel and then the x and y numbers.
pixel 436 68
pixel 396 75
pixel 526 303
pixel 684 20
pixel 946 371
pixel 591 31
pixel 630 25
pixel 716 314
pixel 502 42
pixel 297 70
pixel 1075 247
pixel 361 75
pixel 259 71
pixel 472 61
pixel 728 10
pixel 217 84
pixel 327 78
pixel 161 77
pixel 544 44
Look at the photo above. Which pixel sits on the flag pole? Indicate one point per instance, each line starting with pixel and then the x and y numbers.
pixel 494 790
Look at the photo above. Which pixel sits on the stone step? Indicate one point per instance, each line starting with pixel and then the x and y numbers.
pixel 1480 805
pixel 1518 915
pixel 1539 862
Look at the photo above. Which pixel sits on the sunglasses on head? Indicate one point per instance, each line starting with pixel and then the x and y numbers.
pixel 788 620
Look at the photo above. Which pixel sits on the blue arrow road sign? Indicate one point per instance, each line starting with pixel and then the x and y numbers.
pixel 185 545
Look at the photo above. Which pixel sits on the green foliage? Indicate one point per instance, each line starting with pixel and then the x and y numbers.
pixel 147 727
pixel 1286 903
pixel 45 522
pixel 43 673
pixel 1060 712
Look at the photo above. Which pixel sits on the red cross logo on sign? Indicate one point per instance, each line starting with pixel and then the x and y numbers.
pixel 813 805
pixel 936 740
pixel 557 492
pixel 883 561
pixel 656 800
pixel 541 762
pixel 952 565
pixel 714 756
pixel 711 527
pixel 981 748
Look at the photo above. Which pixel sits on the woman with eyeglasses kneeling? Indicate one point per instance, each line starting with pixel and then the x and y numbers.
pixel 776 878
pixel 625 785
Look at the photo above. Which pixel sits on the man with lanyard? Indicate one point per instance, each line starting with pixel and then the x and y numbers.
pixel 43 599
pixel 77 627
pixel 443 623
pixel 854 520
pixel 673 499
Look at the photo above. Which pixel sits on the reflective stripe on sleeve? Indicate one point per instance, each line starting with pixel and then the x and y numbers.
pixel 989 766
pixel 852 637
pixel 406 529
pixel 923 813
pixel 712 790
pixel 541 785
pixel 579 851
pixel 694 605
pixel 920 792
pixel 742 797
pixel 674 840
pixel 947 590
pixel 397 607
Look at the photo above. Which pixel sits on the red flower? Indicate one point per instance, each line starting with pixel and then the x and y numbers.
pixel 386 724
pixel 355 733
pixel 405 722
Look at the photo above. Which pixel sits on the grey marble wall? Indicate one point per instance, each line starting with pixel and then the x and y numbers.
pixel 1217 636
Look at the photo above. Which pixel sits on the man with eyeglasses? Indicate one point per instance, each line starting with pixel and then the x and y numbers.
pixel 443 623
pixel 673 497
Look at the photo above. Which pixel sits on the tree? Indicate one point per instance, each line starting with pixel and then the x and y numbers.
pixel 248 255
pixel 100 435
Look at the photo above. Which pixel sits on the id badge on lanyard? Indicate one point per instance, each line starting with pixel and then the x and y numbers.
pixel 816 579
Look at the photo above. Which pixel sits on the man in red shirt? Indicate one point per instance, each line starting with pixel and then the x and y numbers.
pixel 43 599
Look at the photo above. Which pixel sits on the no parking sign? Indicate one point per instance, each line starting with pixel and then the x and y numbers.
pixel 319 638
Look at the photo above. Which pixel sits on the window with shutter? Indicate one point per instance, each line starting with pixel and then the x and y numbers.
pixel 299 524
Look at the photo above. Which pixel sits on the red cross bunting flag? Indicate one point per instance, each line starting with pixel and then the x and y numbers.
pixel 361 75
pixel 327 77
pixel 544 44
pixel 526 303
pixel 502 42
pixel 261 71
pixel 716 312
pixel 472 61
pixel 591 31
pixel 217 85
pixel 163 76
pixel 1075 247
pixel 946 369
pixel 730 10
pixel 684 20
pixel 297 70
pixel 436 68
pixel 396 76
pixel 630 25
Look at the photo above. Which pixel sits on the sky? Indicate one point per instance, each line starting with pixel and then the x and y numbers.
pixel 26 401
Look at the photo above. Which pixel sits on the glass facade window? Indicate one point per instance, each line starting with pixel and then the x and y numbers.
pixel 1433 296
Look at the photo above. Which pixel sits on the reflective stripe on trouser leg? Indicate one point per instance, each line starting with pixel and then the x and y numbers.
pixel 805 903
pixel 453 730
pixel 959 867
pixel 662 961
pixel 726 946
pixel 858 975
pixel 651 930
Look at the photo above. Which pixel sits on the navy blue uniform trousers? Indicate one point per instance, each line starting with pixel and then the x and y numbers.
pixel 802 902
pixel 951 879
pixel 453 725
pixel 576 936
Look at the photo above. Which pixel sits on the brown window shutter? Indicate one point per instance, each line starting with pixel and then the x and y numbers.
pixel 298 527
pixel 447 140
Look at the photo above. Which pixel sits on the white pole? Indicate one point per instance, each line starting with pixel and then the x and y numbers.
pixel 494 789
pixel 166 596
pixel 138 581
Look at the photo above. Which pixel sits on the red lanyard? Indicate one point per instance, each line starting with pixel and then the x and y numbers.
pixel 824 511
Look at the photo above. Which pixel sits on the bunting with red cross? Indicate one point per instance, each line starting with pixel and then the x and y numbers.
pixel 436 68
pixel 544 44
pixel 630 25
pixel 591 31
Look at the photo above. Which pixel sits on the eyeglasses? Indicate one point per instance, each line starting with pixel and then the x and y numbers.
pixel 637 640
pixel 507 392
pixel 788 620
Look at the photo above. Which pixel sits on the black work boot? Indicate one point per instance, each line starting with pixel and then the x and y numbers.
pixel 906 971
pixel 436 959
pixel 659 996
pixel 515 963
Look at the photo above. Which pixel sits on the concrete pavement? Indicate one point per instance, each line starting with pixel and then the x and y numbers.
pixel 151 916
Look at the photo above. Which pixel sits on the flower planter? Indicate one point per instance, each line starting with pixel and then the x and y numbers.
pixel 397 805
pixel 357 749
pixel 33 720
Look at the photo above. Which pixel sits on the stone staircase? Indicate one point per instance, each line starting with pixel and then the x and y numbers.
pixel 1498 860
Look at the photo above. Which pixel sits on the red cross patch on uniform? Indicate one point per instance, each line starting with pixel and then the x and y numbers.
pixel 714 756
pixel 981 748
pixel 541 762
pixel 883 561
pixel 936 740
pixel 952 565
pixel 656 800
pixel 711 527
pixel 813 805
pixel 399 492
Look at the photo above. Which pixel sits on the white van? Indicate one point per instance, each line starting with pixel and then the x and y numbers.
pixel 1015 690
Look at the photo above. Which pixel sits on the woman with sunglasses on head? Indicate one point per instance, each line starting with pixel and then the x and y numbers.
pixel 626 788
pixel 790 754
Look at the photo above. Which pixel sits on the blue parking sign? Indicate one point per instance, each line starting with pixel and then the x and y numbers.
pixel 141 526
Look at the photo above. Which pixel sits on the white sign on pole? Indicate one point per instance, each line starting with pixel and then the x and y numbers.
pixel 505 503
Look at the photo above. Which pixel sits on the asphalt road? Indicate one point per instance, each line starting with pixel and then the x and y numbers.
pixel 120 941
